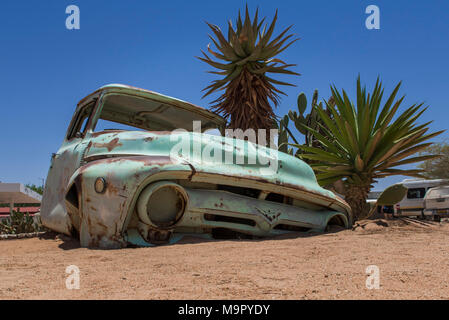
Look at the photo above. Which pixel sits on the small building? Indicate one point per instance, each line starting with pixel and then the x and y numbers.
pixel 17 193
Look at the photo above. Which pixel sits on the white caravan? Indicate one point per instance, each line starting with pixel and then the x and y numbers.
pixel 436 202
pixel 413 202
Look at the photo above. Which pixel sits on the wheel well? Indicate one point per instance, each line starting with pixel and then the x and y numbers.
pixel 72 196
pixel 336 220
pixel 73 206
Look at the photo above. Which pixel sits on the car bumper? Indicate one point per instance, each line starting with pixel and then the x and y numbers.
pixel 212 209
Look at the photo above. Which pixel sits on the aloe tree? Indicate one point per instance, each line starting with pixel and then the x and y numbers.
pixel 247 57
pixel 362 143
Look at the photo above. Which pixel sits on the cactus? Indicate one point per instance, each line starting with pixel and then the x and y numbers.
pixel 283 135
pixel 311 120
pixel 302 120
pixel 18 222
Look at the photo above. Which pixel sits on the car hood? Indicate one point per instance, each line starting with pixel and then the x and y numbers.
pixel 206 153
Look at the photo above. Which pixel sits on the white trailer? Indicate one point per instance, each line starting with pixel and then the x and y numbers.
pixel 436 203
pixel 413 202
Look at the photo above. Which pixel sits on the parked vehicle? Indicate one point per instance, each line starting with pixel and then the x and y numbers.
pixel 117 180
pixel 436 202
pixel 413 202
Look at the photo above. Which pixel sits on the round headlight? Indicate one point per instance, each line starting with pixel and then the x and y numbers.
pixel 162 204
pixel 100 185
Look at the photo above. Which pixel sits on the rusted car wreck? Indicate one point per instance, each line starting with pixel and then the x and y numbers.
pixel 113 186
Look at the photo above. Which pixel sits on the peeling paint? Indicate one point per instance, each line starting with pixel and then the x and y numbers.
pixel 111 145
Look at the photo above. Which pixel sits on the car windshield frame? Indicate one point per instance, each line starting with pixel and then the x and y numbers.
pixel 149 116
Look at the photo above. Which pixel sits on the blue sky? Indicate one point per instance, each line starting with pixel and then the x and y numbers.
pixel 46 69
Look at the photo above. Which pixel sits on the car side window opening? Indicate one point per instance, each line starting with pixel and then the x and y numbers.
pixel 105 125
pixel 120 112
pixel 80 126
pixel 416 193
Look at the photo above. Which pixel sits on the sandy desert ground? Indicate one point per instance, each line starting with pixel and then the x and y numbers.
pixel 412 256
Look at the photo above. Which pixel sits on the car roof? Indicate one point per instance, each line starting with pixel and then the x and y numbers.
pixel 121 88
pixel 423 182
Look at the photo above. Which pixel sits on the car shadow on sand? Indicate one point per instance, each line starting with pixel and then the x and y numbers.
pixel 69 243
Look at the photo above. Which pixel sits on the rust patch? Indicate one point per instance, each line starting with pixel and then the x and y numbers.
pixel 146 160
pixel 113 189
pixel 114 143
pixel 193 171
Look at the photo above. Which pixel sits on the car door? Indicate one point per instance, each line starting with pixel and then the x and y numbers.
pixel 63 164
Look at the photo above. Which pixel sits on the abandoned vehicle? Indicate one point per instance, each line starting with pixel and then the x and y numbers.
pixel 117 181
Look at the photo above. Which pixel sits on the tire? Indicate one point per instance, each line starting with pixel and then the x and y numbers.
pixel 436 218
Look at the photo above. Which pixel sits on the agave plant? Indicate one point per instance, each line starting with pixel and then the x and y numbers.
pixel 247 56
pixel 366 142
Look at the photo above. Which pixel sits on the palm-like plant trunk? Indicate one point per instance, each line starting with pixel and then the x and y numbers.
pixel 356 196
pixel 246 102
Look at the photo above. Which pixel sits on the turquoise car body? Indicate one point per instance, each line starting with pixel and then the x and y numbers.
pixel 112 188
